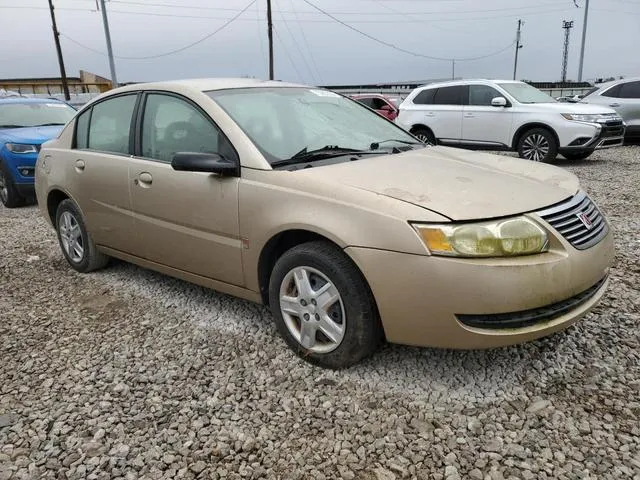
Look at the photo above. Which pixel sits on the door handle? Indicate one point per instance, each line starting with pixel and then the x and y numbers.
pixel 430 114
pixel 614 104
pixel 144 180
pixel 469 115
pixel 80 165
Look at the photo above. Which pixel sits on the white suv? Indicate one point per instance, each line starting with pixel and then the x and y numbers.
pixel 508 115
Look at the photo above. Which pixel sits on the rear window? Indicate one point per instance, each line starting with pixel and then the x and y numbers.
pixel 425 97
pixel 449 96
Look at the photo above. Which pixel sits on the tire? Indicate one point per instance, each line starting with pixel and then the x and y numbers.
pixel 9 196
pixel 577 156
pixel 424 135
pixel 75 241
pixel 351 319
pixel 538 145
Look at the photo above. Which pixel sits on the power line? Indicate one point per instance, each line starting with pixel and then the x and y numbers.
pixel 306 41
pixel 284 48
pixel 304 59
pixel 400 49
pixel 177 50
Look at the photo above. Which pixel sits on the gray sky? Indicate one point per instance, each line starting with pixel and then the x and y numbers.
pixel 314 48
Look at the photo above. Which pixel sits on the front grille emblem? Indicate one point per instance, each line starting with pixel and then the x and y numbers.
pixel 586 221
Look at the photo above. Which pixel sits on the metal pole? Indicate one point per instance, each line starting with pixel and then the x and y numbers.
pixel 112 65
pixel 453 69
pixel 584 36
pixel 515 63
pixel 270 35
pixel 56 38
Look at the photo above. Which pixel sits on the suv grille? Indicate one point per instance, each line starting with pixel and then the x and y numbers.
pixel 612 128
pixel 578 220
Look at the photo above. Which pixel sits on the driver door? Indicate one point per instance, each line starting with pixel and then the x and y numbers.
pixel 186 220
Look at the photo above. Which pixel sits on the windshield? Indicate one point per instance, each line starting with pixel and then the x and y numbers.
pixel 283 121
pixel 593 89
pixel 525 93
pixel 28 114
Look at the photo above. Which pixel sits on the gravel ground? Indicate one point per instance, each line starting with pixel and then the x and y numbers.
pixel 125 373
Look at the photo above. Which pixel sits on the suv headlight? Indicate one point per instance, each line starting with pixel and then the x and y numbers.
pixel 501 238
pixel 21 148
pixel 591 117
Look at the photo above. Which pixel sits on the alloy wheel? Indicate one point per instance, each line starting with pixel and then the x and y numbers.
pixel 4 188
pixel 71 237
pixel 312 309
pixel 535 147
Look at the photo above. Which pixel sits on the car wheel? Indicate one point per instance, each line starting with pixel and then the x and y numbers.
pixel 9 196
pixel 75 241
pixel 577 156
pixel 323 307
pixel 538 145
pixel 424 135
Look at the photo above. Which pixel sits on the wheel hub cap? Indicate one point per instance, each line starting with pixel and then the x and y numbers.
pixel 4 189
pixel 71 237
pixel 536 147
pixel 312 309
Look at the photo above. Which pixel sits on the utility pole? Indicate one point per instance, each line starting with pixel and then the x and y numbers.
pixel 518 47
pixel 56 38
pixel 565 51
pixel 584 36
pixel 270 34
pixel 112 65
pixel 453 69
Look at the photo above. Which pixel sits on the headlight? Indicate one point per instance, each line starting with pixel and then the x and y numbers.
pixel 21 148
pixel 591 118
pixel 502 238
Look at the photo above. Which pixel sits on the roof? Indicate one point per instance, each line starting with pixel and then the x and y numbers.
pixel 28 100
pixel 206 84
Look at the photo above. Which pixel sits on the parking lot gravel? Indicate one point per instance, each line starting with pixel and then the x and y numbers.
pixel 127 374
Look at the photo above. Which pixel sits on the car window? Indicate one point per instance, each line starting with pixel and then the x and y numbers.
pixel 481 95
pixel 612 92
pixel 630 90
pixel 378 103
pixel 592 90
pixel 366 101
pixel 82 129
pixel 171 125
pixel 425 97
pixel 448 96
pixel 110 124
pixel 33 114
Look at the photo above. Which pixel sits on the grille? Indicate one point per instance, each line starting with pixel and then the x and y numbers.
pixel 527 318
pixel 612 129
pixel 566 219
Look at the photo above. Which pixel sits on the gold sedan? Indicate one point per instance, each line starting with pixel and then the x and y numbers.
pixel 348 227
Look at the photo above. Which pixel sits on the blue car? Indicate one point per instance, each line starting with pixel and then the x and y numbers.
pixel 25 124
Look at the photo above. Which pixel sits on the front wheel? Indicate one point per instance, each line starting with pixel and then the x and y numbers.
pixel 9 196
pixel 577 156
pixel 538 145
pixel 323 307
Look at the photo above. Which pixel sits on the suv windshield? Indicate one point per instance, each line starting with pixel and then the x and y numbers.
pixel 285 121
pixel 525 93
pixel 32 114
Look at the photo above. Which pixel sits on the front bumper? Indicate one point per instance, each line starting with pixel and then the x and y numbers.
pixel 610 134
pixel 422 299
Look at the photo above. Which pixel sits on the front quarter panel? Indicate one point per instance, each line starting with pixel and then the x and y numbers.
pixel 272 202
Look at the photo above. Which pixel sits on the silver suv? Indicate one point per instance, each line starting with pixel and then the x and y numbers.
pixel 624 97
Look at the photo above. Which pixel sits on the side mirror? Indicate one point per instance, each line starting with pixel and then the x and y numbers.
pixel 499 102
pixel 204 162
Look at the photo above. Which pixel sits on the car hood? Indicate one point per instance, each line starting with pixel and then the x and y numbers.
pixel 458 184
pixel 31 135
pixel 568 107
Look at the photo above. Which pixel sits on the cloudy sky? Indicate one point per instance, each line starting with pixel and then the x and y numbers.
pixel 312 46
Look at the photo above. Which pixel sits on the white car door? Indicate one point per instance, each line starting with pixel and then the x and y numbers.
pixel 444 116
pixel 483 124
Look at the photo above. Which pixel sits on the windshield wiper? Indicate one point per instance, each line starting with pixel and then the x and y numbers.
pixel 12 126
pixel 327 151
pixel 53 124
pixel 376 145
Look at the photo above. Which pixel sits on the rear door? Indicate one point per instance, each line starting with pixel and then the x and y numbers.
pixel 483 124
pixel 628 104
pixel 186 220
pixel 444 115
pixel 100 177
